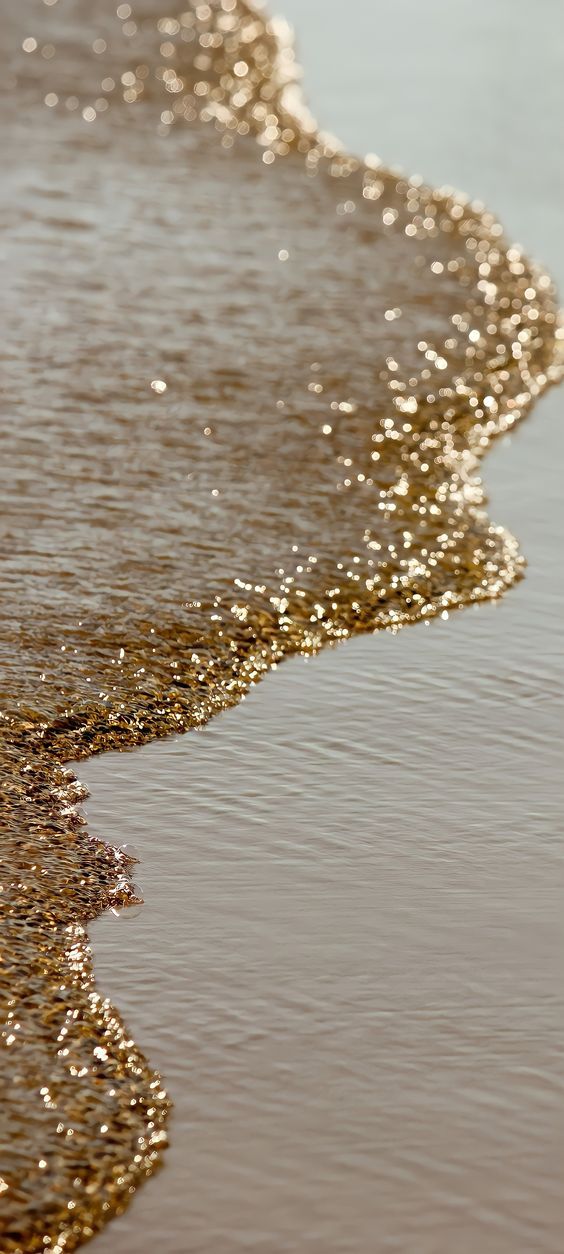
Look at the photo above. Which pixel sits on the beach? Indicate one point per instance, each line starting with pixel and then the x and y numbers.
pixel 281 633
pixel 348 967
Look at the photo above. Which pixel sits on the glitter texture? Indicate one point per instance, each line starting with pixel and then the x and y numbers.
pixel 252 379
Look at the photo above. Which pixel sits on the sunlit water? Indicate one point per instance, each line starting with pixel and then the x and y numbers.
pixel 346 966
pixel 349 961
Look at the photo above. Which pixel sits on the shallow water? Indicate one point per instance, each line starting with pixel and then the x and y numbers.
pixel 130 511
pixel 349 964
pixel 349 961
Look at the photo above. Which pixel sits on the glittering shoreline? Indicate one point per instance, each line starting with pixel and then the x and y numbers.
pixel 87 1111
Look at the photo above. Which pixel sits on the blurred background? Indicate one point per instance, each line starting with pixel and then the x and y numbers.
pixel 467 94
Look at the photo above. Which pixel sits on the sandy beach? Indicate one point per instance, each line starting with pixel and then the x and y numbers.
pixel 258 387
pixel 348 966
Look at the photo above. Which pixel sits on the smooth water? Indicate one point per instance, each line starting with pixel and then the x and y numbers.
pixel 350 957
pixel 339 345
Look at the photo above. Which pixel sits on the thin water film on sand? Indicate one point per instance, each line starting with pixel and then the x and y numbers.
pixel 250 379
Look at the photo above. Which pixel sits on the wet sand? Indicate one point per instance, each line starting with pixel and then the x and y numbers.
pixel 349 963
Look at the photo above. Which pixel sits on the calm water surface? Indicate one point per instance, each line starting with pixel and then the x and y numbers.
pixel 349 962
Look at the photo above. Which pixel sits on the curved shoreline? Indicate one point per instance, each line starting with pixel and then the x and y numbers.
pixel 84 876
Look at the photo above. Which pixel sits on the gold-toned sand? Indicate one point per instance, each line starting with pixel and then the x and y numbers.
pixel 250 386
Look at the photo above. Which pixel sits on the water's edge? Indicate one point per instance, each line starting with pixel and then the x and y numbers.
pixel 112 1111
